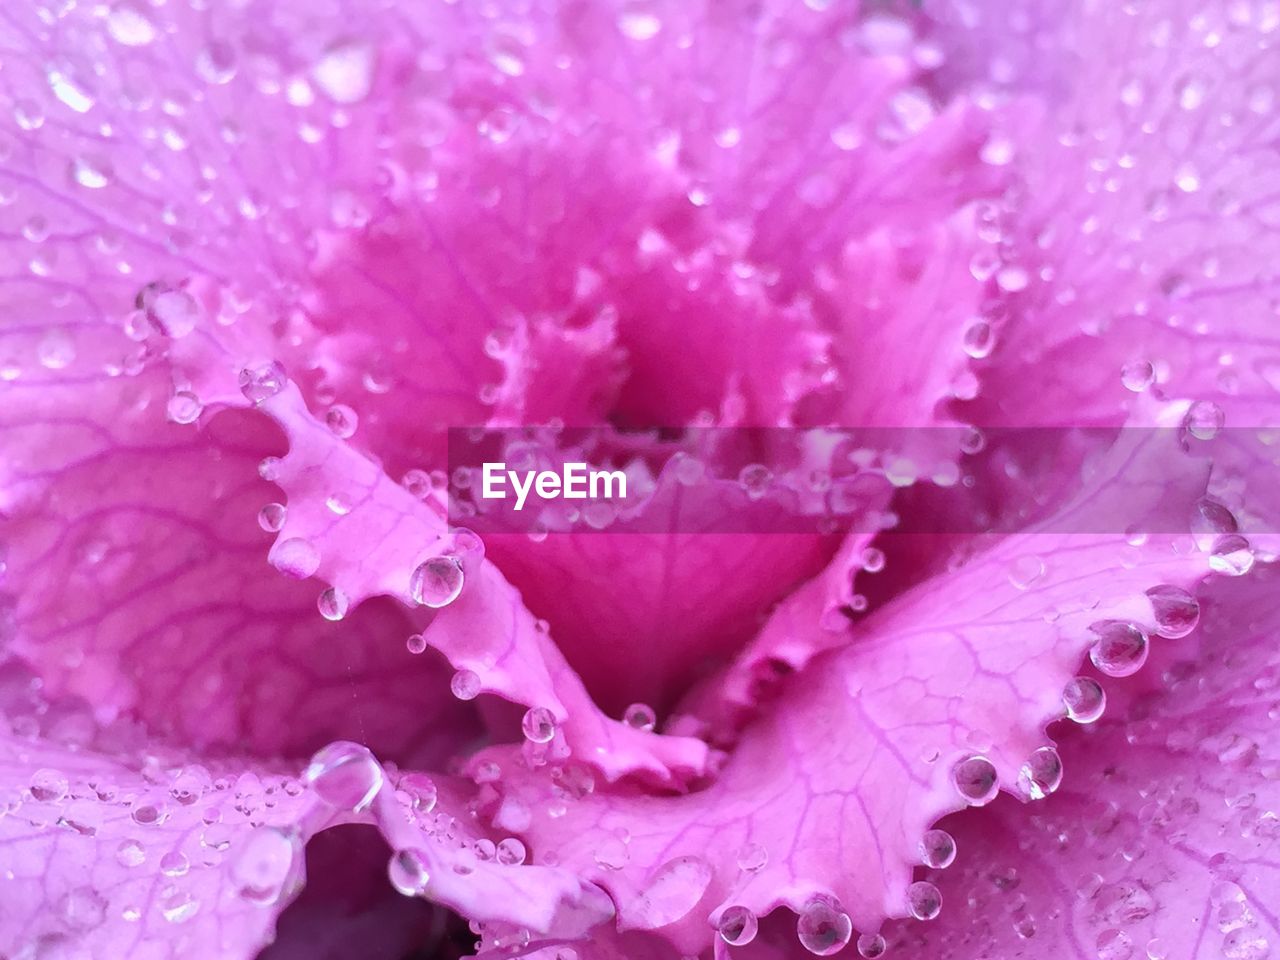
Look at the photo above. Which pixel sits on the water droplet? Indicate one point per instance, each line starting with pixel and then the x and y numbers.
pixel 752 857
pixel 271 518
pixel 332 604
pixel 130 853
pixel 1025 571
pixel 639 716
pixel 129 25
pixel 174 864
pixel 89 174
pixel 737 926
pixel 978 339
pixel 296 557
pixel 1176 611
pixel 437 582
pixel 923 900
pixel 83 908
pixel 511 852
pixel 342 420
pixel 975 780
pixel 147 814
pixel 873 560
pixel 1187 177
pixel 48 786
pixel 69 92
pixel 184 407
pixel 465 685
pixel 1114 945
pixel 262 381
pixel 345 72
pixel 56 350
pixel 671 893
pixel 416 643
pixel 937 849
pixel 175 312
pixel 612 854
pixel 823 928
pixel 1041 774
pixel 263 867
pixel 1204 419
pixel 216 64
pixel 872 946
pixel 638 23
pixel 1245 944
pixel 345 775
pixel 1121 648
pixel 538 725
pixel 179 906
pixel 755 479
pixel 1231 555
pixel 28 114
pixel 1137 376
pixel 1084 699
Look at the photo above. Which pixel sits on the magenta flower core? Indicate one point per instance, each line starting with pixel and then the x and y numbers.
pixel 887 397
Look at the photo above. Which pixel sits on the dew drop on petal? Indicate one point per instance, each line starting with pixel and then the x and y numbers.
pixel 752 857
pixel 1176 611
pixel 638 22
pixel 871 946
pixel 89 174
pixel 639 716
pixel 1121 648
pixel 1025 571
pixel 184 407
pixel 1231 555
pixel 271 518
pixel 83 908
pixel 823 928
pixel 345 775
pixel 511 852
pixel 345 71
pixel 217 63
pixel 975 780
pixel 174 864
pixel 342 420
pixel 1204 419
pixel 48 786
pixel 70 92
pixel 416 643
pixel 407 870
pixel 737 926
pixel 937 849
pixel 262 381
pixel 538 725
pixel 1137 375
pixel 1114 945
pixel 262 868
pixel 465 685
pixel 296 557
pixel 978 338
pixel 173 311
pixel 420 790
pixel 612 854
pixel 437 582
pixel 129 24
pixel 332 604
pixel 1084 699
pixel 923 900
pixel 1041 775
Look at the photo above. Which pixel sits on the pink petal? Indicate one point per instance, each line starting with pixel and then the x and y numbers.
pixel 856 758
pixel 1162 839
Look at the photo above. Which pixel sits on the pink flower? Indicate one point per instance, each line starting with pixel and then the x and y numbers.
pixel 276 683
